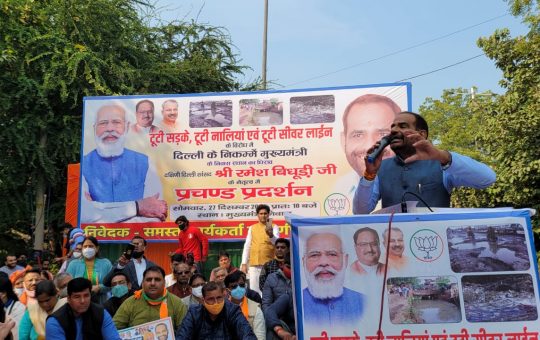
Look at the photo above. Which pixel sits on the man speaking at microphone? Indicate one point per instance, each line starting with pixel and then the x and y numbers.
pixel 418 167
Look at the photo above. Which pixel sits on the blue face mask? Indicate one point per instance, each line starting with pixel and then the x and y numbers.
pixel 119 290
pixel 238 293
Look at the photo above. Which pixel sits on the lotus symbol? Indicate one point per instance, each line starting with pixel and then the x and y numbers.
pixel 336 204
pixel 426 244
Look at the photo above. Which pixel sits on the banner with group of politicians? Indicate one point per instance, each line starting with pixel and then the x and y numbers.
pixel 461 276
pixel 214 157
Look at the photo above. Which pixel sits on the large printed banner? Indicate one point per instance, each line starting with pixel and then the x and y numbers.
pixel 215 157
pixel 462 276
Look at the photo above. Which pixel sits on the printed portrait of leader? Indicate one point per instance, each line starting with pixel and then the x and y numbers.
pixel 326 302
pixel 169 112
pixel 118 184
pixel 394 244
pixel 162 332
pixel 365 121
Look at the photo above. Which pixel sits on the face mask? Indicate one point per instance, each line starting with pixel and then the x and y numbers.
pixel 197 291
pixel 63 292
pixel 137 254
pixel 286 271
pixel 182 226
pixel 214 309
pixel 76 254
pixel 89 253
pixel 238 293
pixel 119 290
pixel 19 291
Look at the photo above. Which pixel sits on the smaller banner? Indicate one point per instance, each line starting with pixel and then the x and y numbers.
pixel 451 276
pixel 222 231
pixel 161 329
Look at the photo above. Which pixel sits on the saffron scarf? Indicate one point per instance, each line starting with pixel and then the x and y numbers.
pixel 161 301
pixel 244 307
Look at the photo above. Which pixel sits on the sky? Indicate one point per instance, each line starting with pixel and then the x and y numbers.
pixel 323 43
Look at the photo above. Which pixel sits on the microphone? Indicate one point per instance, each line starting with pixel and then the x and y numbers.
pixel 403 204
pixel 384 142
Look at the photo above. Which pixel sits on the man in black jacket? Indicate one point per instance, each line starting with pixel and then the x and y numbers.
pixel 282 247
pixel 134 267
pixel 216 318
pixel 121 290
pixel 279 317
pixel 279 283
pixel 80 319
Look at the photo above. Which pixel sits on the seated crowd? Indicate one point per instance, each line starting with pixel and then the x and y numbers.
pixel 91 298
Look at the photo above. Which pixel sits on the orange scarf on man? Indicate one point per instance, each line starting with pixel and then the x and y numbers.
pixel 244 307
pixel 161 301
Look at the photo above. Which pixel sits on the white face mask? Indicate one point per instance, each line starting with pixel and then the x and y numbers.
pixel 89 253
pixel 197 291
pixel 76 254
pixel 18 291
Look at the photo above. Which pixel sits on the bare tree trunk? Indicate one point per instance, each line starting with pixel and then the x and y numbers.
pixel 39 230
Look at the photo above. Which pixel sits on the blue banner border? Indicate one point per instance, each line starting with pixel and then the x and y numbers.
pixel 297 221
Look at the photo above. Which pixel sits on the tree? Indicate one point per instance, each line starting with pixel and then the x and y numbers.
pixel 52 54
pixel 512 132
pixel 504 130
pixel 452 116
pixel 455 122
pixel 442 281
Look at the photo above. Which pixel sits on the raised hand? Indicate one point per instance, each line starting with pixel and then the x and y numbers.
pixel 372 168
pixel 425 150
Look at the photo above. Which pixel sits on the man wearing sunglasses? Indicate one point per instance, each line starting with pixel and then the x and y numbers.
pixel 181 288
pixel 236 288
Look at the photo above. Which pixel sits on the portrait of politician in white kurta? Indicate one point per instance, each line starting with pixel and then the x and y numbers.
pixel 326 303
pixel 118 184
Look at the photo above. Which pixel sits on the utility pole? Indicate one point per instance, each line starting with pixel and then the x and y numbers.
pixel 265 37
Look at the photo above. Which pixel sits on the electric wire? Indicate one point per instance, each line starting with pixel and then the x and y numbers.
pixel 399 51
